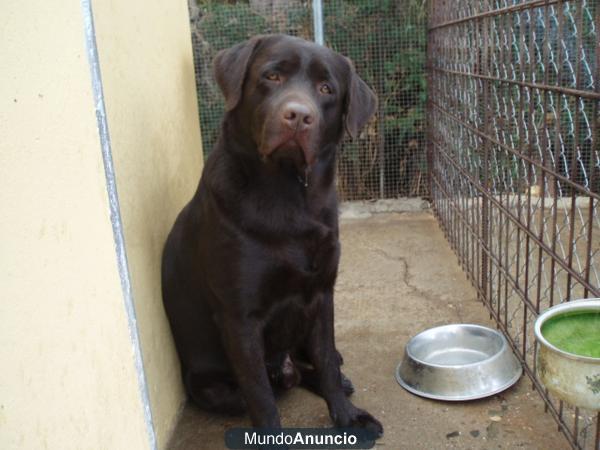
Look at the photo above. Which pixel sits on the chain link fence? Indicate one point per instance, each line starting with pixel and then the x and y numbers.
pixel 386 40
pixel 515 117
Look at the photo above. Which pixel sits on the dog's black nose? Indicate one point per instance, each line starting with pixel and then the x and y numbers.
pixel 297 116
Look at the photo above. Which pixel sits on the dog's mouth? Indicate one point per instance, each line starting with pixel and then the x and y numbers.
pixel 294 148
pixel 289 145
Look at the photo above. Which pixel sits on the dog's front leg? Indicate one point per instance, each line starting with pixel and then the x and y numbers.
pixel 245 349
pixel 326 361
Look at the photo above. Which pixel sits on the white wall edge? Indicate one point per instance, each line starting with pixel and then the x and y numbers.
pixel 115 217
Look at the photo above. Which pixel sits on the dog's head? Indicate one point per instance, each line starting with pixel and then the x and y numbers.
pixel 292 98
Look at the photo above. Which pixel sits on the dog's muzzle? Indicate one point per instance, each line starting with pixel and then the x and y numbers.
pixel 291 132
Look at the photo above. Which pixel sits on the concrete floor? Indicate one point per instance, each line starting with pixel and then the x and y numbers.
pixel 398 276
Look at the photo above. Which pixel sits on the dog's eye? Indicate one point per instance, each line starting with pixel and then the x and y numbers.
pixel 325 89
pixel 272 76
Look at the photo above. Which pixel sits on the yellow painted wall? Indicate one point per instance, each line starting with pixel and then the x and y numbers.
pixel 67 375
pixel 148 77
pixel 67 378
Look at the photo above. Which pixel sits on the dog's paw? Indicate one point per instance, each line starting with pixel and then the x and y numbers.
pixel 359 418
pixel 362 419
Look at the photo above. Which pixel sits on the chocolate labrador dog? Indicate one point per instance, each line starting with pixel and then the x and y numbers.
pixel 249 267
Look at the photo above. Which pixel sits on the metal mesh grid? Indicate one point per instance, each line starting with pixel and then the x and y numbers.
pixel 386 39
pixel 514 116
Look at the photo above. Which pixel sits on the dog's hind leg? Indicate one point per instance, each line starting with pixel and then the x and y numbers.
pixel 214 395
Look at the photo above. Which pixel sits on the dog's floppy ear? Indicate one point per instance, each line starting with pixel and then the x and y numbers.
pixel 230 67
pixel 361 103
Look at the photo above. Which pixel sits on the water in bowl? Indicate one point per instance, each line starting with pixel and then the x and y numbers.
pixel 456 357
pixel 577 332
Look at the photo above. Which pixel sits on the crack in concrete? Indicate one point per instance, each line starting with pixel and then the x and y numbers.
pixel 414 290
pixel 406 275
pixel 406 272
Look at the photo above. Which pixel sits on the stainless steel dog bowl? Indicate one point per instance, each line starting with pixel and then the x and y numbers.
pixel 458 362
pixel 573 378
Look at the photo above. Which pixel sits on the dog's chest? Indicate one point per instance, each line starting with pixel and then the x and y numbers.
pixel 290 322
pixel 300 274
pixel 306 264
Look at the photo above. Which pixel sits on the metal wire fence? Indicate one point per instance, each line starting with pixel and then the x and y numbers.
pixel 387 42
pixel 514 115
pixel 386 39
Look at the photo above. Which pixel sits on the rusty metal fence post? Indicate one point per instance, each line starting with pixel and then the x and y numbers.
pixel 514 155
